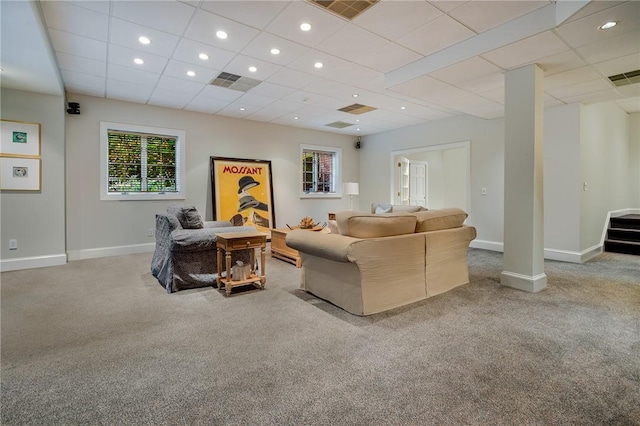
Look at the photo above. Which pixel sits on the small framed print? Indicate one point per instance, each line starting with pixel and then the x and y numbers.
pixel 20 174
pixel 18 138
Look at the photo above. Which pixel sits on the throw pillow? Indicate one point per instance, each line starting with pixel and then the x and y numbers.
pixel 435 220
pixel 383 209
pixel 333 226
pixel 190 218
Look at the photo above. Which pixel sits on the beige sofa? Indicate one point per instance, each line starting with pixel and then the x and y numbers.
pixel 383 261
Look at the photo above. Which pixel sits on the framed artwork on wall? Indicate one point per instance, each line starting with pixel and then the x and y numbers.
pixel 20 174
pixel 242 192
pixel 19 139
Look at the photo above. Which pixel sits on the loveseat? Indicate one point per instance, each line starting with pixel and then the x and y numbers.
pixel 382 261
pixel 185 253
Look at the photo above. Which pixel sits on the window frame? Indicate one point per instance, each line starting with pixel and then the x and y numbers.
pixel 180 136
pixel 337 171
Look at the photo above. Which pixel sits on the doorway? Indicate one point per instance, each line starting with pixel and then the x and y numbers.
pixel 440 173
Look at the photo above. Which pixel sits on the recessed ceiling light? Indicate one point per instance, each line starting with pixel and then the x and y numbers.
pixel 305 26
pixel 357 120
pixel 318 65
pixel 138 61
pixel 275 51
pixel 253 69
pixel 608 25
pixel 221 35
pixel 296 118
pixel 144 40
pixel 203 56
pixel 355 95
pixel 191 73
pixel 241 108
pixel 358 129
pixel 403 107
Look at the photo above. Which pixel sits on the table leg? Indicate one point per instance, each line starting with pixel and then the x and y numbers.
pixel 228 282
pixel 263 273
pixel 219 259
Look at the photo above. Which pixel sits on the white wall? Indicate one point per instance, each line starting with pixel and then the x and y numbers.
pixel 36 219
pixel 98 227
pixel 456 175
pixel 605 168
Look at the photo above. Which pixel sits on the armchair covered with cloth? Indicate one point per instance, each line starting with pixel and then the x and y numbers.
pixel 185 253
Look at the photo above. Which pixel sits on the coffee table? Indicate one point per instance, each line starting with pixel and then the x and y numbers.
pixel 280 250
pixel 230 241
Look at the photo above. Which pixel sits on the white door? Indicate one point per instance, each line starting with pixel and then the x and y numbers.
pixel 418 183
pixel 401 194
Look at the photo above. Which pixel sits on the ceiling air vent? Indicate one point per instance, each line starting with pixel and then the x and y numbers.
pixel 235 82
pixel 626 78
pixel 339 124
pixel 345 9
pixel 357 109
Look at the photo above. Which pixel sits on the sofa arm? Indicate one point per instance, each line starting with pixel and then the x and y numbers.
pixel 217 223
pixel 328 246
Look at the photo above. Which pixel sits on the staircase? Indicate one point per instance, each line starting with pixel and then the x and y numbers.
pixel 623 235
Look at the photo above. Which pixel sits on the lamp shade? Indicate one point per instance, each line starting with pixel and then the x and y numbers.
pixel 351 188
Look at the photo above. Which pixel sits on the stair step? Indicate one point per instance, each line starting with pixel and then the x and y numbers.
pixel 617 246
pixel 621 234
pixel 630 221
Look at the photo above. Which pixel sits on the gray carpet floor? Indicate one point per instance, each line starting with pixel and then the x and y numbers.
pixel 100 342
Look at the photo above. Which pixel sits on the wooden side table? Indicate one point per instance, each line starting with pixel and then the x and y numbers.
pixel 230 241
pixel 280 249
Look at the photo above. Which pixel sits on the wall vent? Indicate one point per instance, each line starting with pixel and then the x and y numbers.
pixel 626 78
pixel 345 9
pixel 357 109
pixel 235 82
pixel 339 124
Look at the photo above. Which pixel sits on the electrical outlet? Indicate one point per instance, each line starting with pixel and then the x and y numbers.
pixel 484 191
pixel 150 232
pixel 13 244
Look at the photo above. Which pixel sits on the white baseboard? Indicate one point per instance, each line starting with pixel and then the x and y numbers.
pixel 110 251
pixel 532 284
pixel 550 254
pixel 17 264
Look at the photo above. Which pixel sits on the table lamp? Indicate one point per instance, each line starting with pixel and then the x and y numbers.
pixel 351 189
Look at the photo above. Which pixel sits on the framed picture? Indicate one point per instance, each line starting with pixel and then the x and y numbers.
pixel 242 192
pixel 19 139
pixel 20 174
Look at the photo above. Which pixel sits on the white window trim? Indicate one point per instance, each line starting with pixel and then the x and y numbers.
pixel 338 171
pixel 104 162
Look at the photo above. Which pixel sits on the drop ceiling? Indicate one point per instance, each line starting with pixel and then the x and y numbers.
pixel 410 61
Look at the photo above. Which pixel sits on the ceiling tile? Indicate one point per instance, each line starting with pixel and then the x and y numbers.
pixel 272 90
pixel 619 65
pixel 526 51
pixel 131 75
pixel 170 16
pixel 124 56
pixel 240 66
pixel 75 20
pixel 97 90
pixel 448 5
pixel 579 75
pixel 95 5
pixel 386 58
pixel 487 110
pixel 611 48
pixel 180 85
pixel 265 114
pixel 393 19
pixel 126 34
pixel 288 77
pixel 207 105
pixel 205 25
pixel 261 46
pixel 81 65
pixel 630 105
pixel 420 87
pixel 126 91
pixel 436 35
pixel 255 14
pixel 594 7
pixel 481 16
pixel 287 24
pixel 339 69
pixel 484 84
pixel 78 46
pixel 351 40
pixel 593 97
pixel 77 78
pixel 579 89
pixel 560 62
pixel 179 70
pixel 169 98
pixel 220 93
pixel 629 90
pixel 188 51
pixel 236 110
pixel 254 100
pixel 585 31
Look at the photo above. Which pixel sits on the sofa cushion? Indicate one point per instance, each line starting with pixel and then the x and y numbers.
pixel 188 216
pixel 434 220
pixel 400 208
pixel 367 225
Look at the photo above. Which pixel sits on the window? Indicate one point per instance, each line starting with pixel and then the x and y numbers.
pixel 320 166
pixel 141 163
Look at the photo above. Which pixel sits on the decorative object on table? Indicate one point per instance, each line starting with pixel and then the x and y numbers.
pixel 351 189
pixel 309 224
pixel 242 192
pixel 20 174
pixel 19 139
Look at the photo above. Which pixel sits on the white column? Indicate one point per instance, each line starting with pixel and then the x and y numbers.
pixel 524 192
